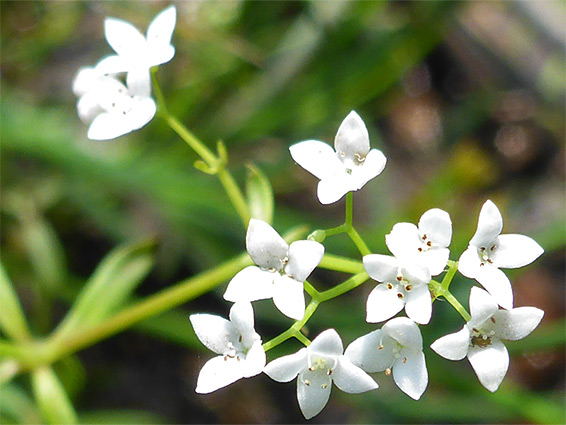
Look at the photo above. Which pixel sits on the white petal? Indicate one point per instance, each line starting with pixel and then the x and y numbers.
pixel 143 110
pixel 437 226
pixel 517 323
pixel 482 307
pixel 123 37
pixel 418 304
pixel 327 343
pixel 84 80
pixel 415 273
pixel 108 126
pixel 113 64
pixel 304 256
pixel 372 166
pixel 138 81
pixel 250 284
pixel 435 259
pixel 318 158
pixel 410 374
pixel 267 249
pixel 405 332
pixel 350 378
pixel 404 240
pixel 383 268
pixel 383 303
pixel 88 107
pixel 219 372
pixel 515 251
pixel 497 284
pixel 453 346
pixel 469 263
pixel 289 297
pixel 490 363
pixel 332 189
pixel 255 360
pixel 286 368
pixel 314 396
pixel 352 137
pixel 490 224
pixel 366 353
pixel 160 54
pixel 215 332
pixel 160 30
pixel 242 317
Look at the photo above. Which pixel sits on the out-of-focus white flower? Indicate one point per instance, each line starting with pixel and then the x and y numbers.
pixel 397 347
pixel 239 346
pixel 428 243
pixel 489 250
pixel 111 108
pixel 480 338
pixel 315 368
pixel 280 272
pixel 136 54
pixel 405 285
pixel 347 168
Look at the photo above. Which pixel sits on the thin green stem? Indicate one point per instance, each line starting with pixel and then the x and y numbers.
pixel 456 304
pixel 235 195
pixel 360 244
pixel 295 329
pixel 341 264
pixel 349 216
pixel 344 287
pixel 442 290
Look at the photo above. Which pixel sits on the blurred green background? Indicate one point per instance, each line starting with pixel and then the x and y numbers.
pixel 466 100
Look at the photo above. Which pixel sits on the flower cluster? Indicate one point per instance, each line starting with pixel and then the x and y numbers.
pixel 113 107
pixel 405 281
pixel 115 98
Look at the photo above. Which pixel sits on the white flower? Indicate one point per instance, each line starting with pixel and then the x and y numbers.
pixel 489 250
pixel 397 347
pixel 136 54
pixel 317 366
pixel 348 168
pixel 480 339
pixel 280 272
pixel 428 243
pixel 405 285
pixel 111 108
pixel 239 346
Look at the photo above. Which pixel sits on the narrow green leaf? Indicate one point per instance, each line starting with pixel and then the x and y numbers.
pixel 51 398
pixel 110 286
pixel 259 194
pixel 12 319
pixel 17 406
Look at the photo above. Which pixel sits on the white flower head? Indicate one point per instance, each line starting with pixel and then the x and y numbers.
pixel 346 168
pixel 136 54
pixel 280 270
pixel 489 250
pixel 428 243
pixel 397 347
pixel 481 338
pixel 111 108
pixel 241 354
pixel 315 368
pixel 405 285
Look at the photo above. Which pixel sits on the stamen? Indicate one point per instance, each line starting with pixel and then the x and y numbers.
pixel 404 360
pixel 492 319
pixel 400 295
pixel 389 286
pixel 307 382
pixel 388 371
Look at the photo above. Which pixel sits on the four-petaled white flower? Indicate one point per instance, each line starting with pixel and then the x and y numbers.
pixel 480 339
pixel 489 250
pixel 111 108
pixel 405 285
pixel 317 366
pixel 280 270
pixel 428 243
pixel 397 347
pixel 348 168
pixel 239 346
pixel 136 54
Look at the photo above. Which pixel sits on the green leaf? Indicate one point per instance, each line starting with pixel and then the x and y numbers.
pixel 12 319
pixel 111 285
pixel 51 398
pixel 17 406
pixel 119 417
pixel 259 194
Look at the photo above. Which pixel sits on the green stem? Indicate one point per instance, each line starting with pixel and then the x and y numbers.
pixel 341 264
pixel 344 287
pixel 442 290
pixel 216 164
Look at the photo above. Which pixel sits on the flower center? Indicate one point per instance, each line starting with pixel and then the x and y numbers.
pixel 426 243
pixel 402 286
pixel 481 338
pixel 486 254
